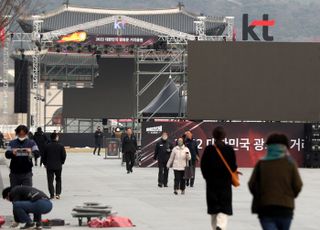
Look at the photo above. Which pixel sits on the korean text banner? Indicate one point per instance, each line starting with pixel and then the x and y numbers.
pixel 248 139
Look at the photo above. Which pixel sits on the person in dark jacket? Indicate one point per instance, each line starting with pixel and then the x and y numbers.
pixel 275 183
pixel 27 200
pixel 192 145
pixel 1 140
pixel 129 149
pixel 41 139
pixel 162 154
pixel 218 179
pixel 53 158
pixel 98 140
pixel 21 151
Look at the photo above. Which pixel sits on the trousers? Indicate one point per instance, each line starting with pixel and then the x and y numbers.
pixel 163 173
pixel 129 161
pixel 50 177
pixel 22 209
pixel 220 220
pixel 21 179
pixel 275 223
pixel 179 181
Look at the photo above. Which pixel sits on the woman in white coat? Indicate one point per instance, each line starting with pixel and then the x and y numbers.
pixel 179 157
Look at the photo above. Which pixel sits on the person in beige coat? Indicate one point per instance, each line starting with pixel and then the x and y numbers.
pixel 178 160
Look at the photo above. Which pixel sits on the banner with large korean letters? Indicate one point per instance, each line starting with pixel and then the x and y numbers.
pixel 247 138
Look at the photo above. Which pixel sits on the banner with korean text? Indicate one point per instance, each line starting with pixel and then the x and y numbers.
pixel 247 138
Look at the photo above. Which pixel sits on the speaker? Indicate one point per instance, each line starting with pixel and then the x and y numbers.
pixel 21 86
pixel 312 145
pixel 104 121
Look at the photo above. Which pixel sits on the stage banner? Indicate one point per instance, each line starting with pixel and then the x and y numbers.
pixel 247 138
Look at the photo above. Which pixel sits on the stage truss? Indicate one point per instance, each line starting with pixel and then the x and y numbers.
pixel 174 57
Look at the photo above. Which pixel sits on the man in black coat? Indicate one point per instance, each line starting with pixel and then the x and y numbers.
pixel 129 149
pixel 218 179
pixel 21 151
pixel 162 154
pixel 53 158
pixel 41 139
pixel 27 200
pixel 192 145
pixel 98 140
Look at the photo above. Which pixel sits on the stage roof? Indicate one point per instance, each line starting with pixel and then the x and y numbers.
pixel 175 18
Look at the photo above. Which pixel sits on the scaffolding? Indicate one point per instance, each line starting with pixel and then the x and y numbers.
pixel 5 76
pixel 172 60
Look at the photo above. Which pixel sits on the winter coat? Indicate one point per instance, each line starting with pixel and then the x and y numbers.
pixel 179 157
pixel 193 147
pixel 54 156
pixel 163 150
pixel 26 193
pixel 218 178
pixel 98 137
pixel 41 139
pixel 275 184
pixel 129 144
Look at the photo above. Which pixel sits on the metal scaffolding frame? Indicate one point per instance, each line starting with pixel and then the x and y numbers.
pixel 173 64
pixel 174 57
pixel 5 75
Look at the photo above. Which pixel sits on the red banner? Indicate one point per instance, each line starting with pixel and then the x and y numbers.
pixel 247 139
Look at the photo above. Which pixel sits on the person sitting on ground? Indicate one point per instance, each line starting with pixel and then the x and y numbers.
pixel 27 200
pixel 179 157
pixel 53 158
pixel 21 151
pixel 274 184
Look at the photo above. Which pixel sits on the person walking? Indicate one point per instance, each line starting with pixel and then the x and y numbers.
pixel 41 140
pixel 53 158
pixel 162 154
pixel 1 140
pixel 129 149
pixel 178 160
pixel 274 184
pixel 192 145
pixel 27 200
pixel 218 179
pixel 98 140
pixel 21 151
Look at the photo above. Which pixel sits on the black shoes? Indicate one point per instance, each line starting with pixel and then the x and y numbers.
pixel 175 192
pixel 166 186
pixel 218 228
pixel 38 225
pixel 28 226
pixel 160 185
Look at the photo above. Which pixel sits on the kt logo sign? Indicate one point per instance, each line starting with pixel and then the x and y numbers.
pixel 248 29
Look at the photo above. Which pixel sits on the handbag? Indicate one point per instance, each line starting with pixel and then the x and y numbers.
pixel 188 172
pixel 235 180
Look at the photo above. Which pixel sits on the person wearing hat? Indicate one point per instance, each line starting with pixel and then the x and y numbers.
pixel 275 184
pixel 54 157
pixel 27 200
pixel 21 151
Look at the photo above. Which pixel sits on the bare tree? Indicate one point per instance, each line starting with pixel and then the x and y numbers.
pixel 11 10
